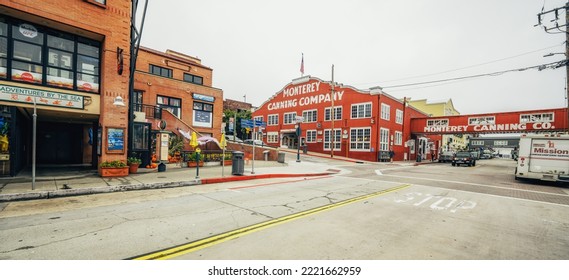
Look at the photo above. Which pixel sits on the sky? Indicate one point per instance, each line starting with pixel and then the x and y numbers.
pixel 255 47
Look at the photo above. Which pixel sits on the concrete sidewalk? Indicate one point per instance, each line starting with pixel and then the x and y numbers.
pixel 59 183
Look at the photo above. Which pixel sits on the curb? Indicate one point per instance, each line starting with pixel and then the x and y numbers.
pixel 123 188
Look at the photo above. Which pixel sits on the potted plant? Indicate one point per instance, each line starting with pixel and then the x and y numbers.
pixel 192 160
pixel 133 163
pixel 113 168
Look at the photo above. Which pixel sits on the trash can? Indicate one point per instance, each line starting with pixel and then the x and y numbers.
pixel 281 158
pixel 238 163
pixel 305 149
pixel 161 167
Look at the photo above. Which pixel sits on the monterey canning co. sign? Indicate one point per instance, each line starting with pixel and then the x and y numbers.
pixel 304 95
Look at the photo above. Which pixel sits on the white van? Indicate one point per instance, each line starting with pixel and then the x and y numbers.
pixel 543 157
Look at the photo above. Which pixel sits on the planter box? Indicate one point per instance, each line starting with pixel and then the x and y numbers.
pixel 227 162
pixel 113 171
pixel 194 164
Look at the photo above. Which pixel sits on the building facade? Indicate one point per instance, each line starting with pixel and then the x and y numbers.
pixel 68 61
pixel 178 87
pixel 57 58
pixel 338 120
pixel 449 142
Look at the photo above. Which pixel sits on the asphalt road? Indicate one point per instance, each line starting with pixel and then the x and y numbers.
pixel 369 211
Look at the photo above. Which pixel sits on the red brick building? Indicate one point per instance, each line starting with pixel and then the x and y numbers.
pixel 69 59
pixel 180 88
pixel 365 124
pixel 64 55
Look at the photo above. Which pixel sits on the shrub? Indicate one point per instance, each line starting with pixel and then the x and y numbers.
pixel 113 164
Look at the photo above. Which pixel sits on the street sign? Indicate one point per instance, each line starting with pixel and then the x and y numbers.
pixel 260 123
pixel 247 123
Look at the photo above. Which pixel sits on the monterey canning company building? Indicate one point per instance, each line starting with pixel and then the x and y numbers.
pixel 68 61
pixel 341 120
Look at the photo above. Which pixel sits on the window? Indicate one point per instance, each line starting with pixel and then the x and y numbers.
pixel 273 119
pixel 337 113
pixel 361 111
pixel 203 113
pixel 137 101
pixel 193 79
pixel 337 139
pixel 160 71
pixel 384 139
pixel 44 56
pixel 272 137
pixel 385 112
pixel 360 139
pixel 398 116
pixel 398 138
pixel 258 119
pixel 477 142
pixel 482 120
pixel 290 118
pixel 536 118
pixel 311 136
pixel 310 116
pixel 501 143
pixel 3 49
pixel 439 122
pixel 174 105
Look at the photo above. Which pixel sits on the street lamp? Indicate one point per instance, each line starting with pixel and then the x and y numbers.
pixel 297 126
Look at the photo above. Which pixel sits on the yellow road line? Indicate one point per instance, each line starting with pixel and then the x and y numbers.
pixel 210 241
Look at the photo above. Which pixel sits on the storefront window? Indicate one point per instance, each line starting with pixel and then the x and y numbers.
pixel 72 62
pixel 203 113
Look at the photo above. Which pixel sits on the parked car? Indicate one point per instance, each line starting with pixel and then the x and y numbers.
pixel 464 158
pixel 251 141
pixel 233 138
pixel 446 156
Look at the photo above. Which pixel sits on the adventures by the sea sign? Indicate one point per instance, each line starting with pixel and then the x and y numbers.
pixel 41 97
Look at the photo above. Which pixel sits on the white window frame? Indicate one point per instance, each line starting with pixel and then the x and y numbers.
pixel 273 120
pixel 438 122
pixel 337 140
pixel 398 116
pixel 365 142
pixel 359 107
pixel 385 111
pixel 398 138
pixel 310 116
pixel 384 139
pixel 289 118
pixel 337 113
pixel 311 136
pixel 482 120
pixel 272 137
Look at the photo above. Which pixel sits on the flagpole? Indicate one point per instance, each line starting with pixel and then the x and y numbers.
pixel 302 66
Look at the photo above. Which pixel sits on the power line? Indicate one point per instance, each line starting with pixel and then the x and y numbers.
pixel 540 67
pixel 461 68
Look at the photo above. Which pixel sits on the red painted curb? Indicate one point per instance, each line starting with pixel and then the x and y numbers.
pixel 260 176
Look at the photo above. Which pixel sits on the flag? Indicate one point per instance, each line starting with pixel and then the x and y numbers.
pixel 194 141
pixel 302 65
pixel 223 142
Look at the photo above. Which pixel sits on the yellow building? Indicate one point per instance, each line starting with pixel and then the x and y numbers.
pixel 440 108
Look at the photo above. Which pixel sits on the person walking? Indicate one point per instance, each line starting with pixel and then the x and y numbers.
pixel 391 155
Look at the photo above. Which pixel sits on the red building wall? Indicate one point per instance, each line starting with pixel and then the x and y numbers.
pixel 308 94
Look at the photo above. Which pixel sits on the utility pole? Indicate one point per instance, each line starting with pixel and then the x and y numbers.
pixel 333 115
pixel 557 29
